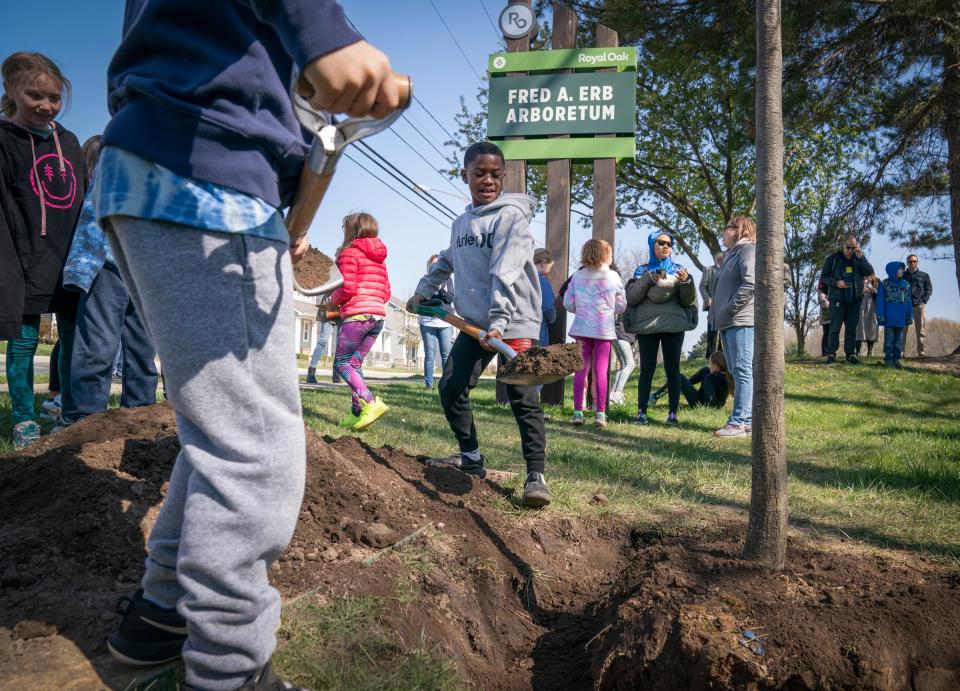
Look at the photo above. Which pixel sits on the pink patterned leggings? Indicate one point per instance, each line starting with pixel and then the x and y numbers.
pixel 596 358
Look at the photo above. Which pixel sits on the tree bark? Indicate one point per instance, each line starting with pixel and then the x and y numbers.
pixel 951 128
pixel 767 529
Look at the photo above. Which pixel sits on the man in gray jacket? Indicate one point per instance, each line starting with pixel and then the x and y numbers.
pixel 843 273
pixel 922 290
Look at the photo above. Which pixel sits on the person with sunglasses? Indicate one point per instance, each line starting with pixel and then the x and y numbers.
pixel 662 306
pixel 843 273
pixel 921 290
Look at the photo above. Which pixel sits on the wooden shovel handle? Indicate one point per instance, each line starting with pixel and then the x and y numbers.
pixel 305 88
pixel 310 190
pixel 464 326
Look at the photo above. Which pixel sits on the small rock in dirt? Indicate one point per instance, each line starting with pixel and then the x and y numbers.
pixel 379 535
pixel 330 554
pixel 600 499
pixel 312 556
pixel 31 628
pixel 441 525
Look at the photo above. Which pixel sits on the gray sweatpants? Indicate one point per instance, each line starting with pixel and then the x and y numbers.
pixel 219 309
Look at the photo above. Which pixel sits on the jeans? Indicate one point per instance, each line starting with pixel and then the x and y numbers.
pixel 847 315
pixel 624 352
pixel 20 354
pixel 106 319
pixel 894 338
pixel 738 346
pixel 672 344
pixel 323 337
pixel 434 337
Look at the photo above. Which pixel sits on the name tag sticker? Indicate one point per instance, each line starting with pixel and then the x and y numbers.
pixel 849 269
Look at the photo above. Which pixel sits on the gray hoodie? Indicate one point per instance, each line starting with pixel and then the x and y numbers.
pixel 491 255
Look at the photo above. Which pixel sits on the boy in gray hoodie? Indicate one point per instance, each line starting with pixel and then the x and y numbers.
pixel 491 254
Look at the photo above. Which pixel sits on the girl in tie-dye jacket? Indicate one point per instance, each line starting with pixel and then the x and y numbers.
pixel 595 295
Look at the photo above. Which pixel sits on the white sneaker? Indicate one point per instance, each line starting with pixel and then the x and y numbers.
pixel 617 397
pixel 50 409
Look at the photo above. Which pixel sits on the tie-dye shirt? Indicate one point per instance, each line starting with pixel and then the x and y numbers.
pixel 129 185
pixel 596 296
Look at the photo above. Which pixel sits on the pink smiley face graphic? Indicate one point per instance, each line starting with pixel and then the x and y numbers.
pixel 59 188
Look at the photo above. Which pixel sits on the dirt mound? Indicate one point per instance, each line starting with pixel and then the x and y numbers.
pixel 313 270
pixel 556 360
pixel 516 600
pixel 696 616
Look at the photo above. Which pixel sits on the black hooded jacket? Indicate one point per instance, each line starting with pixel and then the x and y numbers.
pixel 34 245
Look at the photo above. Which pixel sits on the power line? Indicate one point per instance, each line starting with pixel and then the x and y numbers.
pixel 425 138
pixel 439 124
pixel 490 20
pixel 403 178
pixel 394 190
pixel 459 47
pixel 414 150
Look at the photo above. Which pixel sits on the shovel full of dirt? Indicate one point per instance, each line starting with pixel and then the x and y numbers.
pixel 531 367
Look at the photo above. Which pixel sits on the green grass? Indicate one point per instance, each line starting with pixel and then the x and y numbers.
pixel 872 453
pixel 42 349
pixel 343 644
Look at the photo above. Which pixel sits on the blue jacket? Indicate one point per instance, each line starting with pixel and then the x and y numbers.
pixel 203 88
pixel 548 308
pixel 894 299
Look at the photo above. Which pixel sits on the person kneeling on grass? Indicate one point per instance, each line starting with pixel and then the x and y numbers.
pixel 715 384
pixel 491 253
pixel 362 299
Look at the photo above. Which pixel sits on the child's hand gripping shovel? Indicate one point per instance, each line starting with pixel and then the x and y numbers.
pixel 529 368
pixel 330 140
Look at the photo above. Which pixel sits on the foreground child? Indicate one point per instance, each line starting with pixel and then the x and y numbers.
pixel 595 294
pixel 491 254
pixel 894 312
pixel 362 299
pixel 201 154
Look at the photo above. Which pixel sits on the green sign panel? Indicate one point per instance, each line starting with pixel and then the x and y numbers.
pixel 573 59
pixel 580 149
pixel 595 103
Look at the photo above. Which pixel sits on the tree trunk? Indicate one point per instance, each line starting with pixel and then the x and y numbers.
pixel 767 529
pixel 801 331
pixel 951 128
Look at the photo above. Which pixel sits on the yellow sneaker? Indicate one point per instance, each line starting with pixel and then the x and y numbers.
pixel 350 420
pixel 370 413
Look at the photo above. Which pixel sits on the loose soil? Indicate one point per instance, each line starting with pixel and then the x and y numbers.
pixel 313 270
pixel 518 601
pixel 552 361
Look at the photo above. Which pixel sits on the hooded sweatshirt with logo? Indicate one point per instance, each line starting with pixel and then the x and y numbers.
pixel 366 284
pixel 42 184
pixel 894 298
pixel 491 255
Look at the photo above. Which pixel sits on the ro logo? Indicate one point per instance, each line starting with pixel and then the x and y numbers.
pixel 517 20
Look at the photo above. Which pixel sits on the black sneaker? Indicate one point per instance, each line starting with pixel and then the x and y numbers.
pixel 852 359
pixel 464 464
pixel 641 419
pixel 148 634
pixel 897 365
pixel 831 359
pixel 266 680
pixel 535 492
pixel 672 420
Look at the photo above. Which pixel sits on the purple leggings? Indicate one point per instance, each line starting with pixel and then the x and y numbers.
pixel 596 357
pixel 354 341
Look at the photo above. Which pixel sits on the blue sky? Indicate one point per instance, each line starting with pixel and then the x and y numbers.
pixel 81 38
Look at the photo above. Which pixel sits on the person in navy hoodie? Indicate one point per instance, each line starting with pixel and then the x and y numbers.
pixel 894 312
pixel 201 154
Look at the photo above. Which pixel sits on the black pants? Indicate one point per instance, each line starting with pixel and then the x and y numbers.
pixel 847 315
pixel 825 340
pixel 693 395
pixel 649 344
pixel 464 366
pixel 711 341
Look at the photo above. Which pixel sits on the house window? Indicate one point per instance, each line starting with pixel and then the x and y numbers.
pixel 306 332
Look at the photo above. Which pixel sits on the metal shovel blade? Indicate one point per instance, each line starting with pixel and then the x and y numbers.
pixel 332 283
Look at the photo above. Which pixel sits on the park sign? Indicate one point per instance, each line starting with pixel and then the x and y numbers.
pixel 583 115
